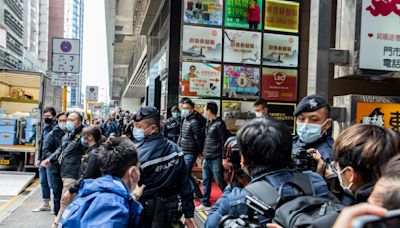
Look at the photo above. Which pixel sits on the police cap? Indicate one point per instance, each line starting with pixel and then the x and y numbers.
pixel 310 104
pixel 146 113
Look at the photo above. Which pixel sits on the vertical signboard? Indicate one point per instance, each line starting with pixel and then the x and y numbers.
pixel 66 55
pixel 380 35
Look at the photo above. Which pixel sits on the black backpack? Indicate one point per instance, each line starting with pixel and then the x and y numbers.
pixel 304 210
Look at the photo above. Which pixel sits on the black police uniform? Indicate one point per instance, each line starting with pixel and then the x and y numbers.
pixel 325 144
pixel 168 192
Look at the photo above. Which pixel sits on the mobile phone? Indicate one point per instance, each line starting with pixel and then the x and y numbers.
pixel 392 219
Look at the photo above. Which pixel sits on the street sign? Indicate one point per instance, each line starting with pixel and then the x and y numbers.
pixel 65 80
pixel 66 55
pixel 92 93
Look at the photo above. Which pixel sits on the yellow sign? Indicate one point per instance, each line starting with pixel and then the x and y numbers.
pixel 380 114
pixel 282 16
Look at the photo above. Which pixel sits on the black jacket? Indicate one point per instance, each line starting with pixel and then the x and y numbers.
pixel 52 142
pixel 163 171
pixel 69 154
pixel 46 130
pixel 191 139
pixel 173 127
pixel 216 135
pixel 90 168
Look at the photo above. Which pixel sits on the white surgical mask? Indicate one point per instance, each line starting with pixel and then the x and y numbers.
pixel 347 189
pixel 309 133
pixel 62 126
pixel 258 114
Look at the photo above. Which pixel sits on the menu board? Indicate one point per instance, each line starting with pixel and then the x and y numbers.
pixel 208 12
pixel 201 79
pixel 242 47
pixel 201 43
pixel 243 14
pixel 283 112
pixel 241 82
pixel 236 113
pixel 280 50
pixel 282 15
pixel 279 84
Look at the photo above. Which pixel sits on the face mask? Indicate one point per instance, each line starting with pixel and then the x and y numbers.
pixel 138 134
pixel 309 133
pixel 84 142
pixel 347 189
pixel 185 113
pixel 70 126
pixel 48 120
pixel 175 115
pixel 259 114
pixel 205 116
pixel 62 126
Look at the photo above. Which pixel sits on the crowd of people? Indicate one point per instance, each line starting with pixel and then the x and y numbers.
pixel 134 170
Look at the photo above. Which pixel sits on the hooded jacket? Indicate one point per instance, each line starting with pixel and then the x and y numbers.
pixel 103 202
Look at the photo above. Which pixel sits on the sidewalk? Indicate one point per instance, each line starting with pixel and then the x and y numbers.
pixel 22 216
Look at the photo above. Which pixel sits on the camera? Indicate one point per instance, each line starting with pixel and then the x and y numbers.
pixel 303 161
pixel 258 214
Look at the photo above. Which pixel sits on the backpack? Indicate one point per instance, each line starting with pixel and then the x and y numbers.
pixel 305 210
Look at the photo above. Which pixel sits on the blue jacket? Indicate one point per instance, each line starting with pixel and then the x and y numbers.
pixel 104 202
pixel 233 202
pixel 163 171
pixel 110 127
pixel 324 145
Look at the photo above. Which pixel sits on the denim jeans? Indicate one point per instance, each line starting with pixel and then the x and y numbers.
pixel 56 185
pixel 45 183
pixel 189 162
pixel 212 169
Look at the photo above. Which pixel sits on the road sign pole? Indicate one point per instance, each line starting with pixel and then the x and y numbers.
pixel 86 110
pixel 64 100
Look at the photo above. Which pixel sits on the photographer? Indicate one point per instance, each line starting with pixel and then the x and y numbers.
pixel 265 147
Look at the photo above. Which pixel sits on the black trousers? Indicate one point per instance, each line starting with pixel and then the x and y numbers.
pixel 253 25
pixel 161 213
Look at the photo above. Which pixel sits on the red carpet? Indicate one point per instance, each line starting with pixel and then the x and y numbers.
pixel 216 193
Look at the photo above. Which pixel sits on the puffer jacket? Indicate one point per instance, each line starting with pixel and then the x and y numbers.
pixel 69 154
pixel 52 141
pixel 216 135
pixel 191 139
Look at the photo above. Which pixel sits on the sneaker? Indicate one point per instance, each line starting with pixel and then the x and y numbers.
pixel 201 207
pixel 41 209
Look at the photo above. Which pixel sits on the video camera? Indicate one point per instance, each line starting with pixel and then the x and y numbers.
pixel 303 161
pixel 258 213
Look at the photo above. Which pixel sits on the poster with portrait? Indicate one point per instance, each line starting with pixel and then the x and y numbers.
pixel 241 82
pixel 201 79
pixel 283 112
pixel 201 43
pixel 242 47
pixel 199 105
pixel 237 113
pixel 280 50
pixel 207 12
pixel 281 15
pixel 279 84
pixel 243 14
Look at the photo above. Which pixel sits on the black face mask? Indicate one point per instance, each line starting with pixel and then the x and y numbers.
pixel 48 120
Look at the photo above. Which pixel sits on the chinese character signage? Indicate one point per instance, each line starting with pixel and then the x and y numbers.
pixel 242 47
pixel 284 113
pixel 199 105
pixel 200 43
pixel 236 113
pixel 280 50
pixel 279 84
pixel 208 12
pixel 201 79
pixel 243 14
pixel 379 114
pixel 380 35
pixel 241 82
pixel 282 16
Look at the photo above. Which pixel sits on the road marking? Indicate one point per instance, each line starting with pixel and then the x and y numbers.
pixel 15 198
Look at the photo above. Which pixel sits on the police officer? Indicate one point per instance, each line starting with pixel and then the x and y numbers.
pixel 313 127
pixel 168 192
pixel 173 124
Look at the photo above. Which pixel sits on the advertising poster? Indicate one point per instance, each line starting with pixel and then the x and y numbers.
pixel 200 43
pixel 241 82
pixel 243 14
pixel 380 35
pixel 208 12
pixel 242 47
pixel 279 84
pixel 280 50
pixel 282 16
pixel 201 103
pixel 201 79
pixel 379 114
pixel 284 113
pixel 236 114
